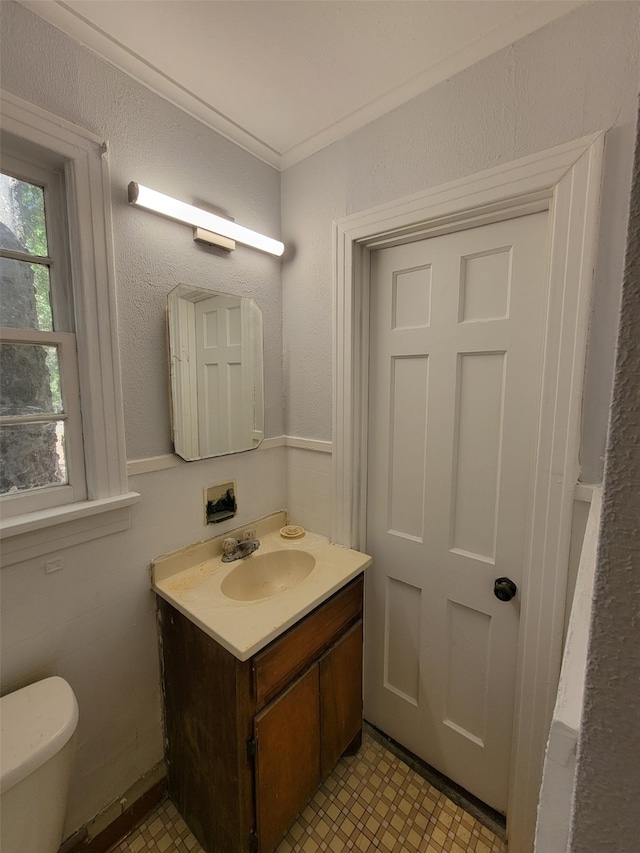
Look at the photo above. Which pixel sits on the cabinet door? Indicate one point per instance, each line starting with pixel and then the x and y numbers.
pixel 340 697
pixel 288 656
pixel 287 734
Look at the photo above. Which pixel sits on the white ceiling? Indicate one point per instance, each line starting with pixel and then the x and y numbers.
pixel 284 78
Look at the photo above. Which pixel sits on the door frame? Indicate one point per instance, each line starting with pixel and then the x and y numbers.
pixel 566 181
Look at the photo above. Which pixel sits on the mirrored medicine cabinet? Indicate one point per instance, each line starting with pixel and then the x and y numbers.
pixel 216 372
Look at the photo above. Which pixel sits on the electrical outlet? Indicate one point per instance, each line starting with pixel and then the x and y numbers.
pixel 54 565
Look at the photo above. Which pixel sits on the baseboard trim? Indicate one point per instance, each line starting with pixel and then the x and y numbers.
pixel 119 828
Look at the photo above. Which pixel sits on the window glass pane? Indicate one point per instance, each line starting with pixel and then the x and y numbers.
pixel 29 380
pixel 22 222
pixel 32 456
pixel 25 295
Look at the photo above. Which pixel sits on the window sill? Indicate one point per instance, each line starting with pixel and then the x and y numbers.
pixel 37 533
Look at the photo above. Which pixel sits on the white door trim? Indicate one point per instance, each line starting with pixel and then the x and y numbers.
pixel 565 179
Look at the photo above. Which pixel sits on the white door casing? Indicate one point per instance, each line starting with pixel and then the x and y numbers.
pixel 455 355
pixel 566 181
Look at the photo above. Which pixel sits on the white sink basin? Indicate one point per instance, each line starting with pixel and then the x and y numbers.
pixel 238 604
pixel 264 575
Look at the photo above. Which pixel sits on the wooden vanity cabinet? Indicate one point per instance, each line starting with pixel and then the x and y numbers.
pixel 248 742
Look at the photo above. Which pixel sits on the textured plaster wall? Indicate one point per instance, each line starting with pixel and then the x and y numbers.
pixel 94 621
pixel 578 75
pixel 606 816
pixel 152 142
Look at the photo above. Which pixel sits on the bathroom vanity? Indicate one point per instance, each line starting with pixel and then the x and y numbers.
pixel 251 732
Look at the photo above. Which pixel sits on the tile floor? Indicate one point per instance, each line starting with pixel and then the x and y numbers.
pixel 372 801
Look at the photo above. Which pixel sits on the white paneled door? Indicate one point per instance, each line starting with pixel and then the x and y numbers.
pixel 456 339
pixel 219 359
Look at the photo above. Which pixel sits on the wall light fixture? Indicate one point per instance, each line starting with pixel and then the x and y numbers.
pixel 207 227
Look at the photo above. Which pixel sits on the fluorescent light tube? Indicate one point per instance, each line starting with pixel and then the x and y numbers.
pixel 182 212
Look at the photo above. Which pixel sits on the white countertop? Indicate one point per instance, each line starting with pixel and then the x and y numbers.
pixel 190 581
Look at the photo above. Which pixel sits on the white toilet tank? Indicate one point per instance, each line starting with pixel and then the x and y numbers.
pixel 38 723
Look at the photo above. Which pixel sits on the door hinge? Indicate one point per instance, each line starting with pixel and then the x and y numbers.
pixel 253 841
pixel 251 749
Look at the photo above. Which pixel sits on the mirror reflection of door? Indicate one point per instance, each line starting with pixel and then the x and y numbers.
pixel 219 372
pixel 216 372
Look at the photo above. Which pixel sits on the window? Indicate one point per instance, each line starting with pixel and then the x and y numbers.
pixel 41 458
pixel 62 456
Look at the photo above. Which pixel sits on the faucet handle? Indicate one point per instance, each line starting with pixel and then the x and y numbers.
pixel 249 534
pixel 229 545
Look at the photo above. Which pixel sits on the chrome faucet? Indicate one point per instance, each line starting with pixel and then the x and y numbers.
pixel 236 549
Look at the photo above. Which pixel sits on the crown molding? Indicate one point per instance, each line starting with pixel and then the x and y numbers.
pixel 65 18
pixel 79 28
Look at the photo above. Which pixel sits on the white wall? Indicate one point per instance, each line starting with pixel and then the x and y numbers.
pixel 577 75
pixel 606 814
pixel 558 776
pixel 93 622
pixel 309 489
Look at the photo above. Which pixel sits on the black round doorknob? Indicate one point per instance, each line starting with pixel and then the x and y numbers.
pixel 504 589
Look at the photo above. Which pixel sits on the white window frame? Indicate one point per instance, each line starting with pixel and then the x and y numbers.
pixel 47 175
pixel 87 189
pixel 74 490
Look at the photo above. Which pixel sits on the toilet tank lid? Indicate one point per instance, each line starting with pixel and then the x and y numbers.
pixel 36 722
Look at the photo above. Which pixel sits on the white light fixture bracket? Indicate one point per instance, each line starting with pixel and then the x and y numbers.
pixel 209 227
pixel 211 239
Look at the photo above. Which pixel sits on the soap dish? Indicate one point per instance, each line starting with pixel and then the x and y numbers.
pixel 292 531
